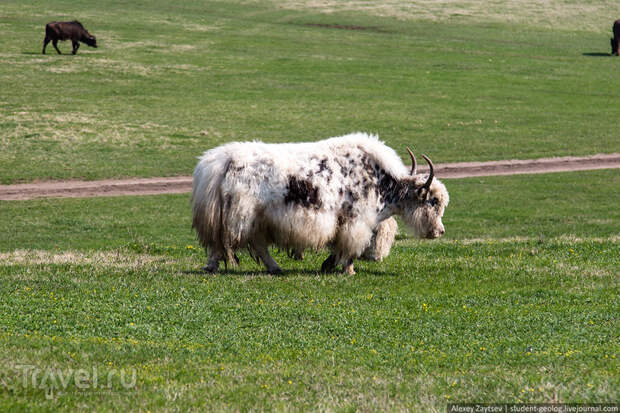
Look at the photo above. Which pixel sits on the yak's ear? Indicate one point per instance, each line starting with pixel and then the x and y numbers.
pixel 415 192
pixel 421 193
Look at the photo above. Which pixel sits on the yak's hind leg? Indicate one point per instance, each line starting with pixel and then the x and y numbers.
pixel 263 253
pixel 45 42
pixel 55 44
pixel 215 256
pixel 76 46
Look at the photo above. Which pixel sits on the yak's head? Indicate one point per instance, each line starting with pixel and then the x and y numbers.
pixel 90 40
pixel 422 201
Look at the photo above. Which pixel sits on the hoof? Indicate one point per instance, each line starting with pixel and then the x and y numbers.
pixel 348 271
pixel 275 271
pixel 210 269
pixel 348 268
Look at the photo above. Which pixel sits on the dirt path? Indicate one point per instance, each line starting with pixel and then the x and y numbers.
pixel 183 184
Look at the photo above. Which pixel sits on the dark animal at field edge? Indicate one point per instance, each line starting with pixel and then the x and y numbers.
pixel 615 41
pixel 72 30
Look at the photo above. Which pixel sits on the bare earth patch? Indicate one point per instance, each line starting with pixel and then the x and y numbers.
pixel 98 258
pixel 183 184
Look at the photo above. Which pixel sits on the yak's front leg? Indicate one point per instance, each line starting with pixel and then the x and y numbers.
pixel 55 44
pixel 76 46
pixel 329 264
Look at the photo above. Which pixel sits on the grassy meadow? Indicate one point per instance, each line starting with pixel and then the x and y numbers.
pixel 519 302
pixel 169 81
pixel 103 306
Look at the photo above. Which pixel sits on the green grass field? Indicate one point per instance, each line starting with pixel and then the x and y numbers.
pixel 170 81
pixel 517 302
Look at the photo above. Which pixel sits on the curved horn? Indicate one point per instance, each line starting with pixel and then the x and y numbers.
pixel 431 173
pixel 413 163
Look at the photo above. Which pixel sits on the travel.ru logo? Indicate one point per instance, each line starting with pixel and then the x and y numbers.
pixel 56 381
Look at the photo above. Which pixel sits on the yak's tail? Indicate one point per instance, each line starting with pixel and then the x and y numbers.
pixel 209 210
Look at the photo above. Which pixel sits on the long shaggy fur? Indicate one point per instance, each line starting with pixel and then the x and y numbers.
pixel 381 242
pixel 332 193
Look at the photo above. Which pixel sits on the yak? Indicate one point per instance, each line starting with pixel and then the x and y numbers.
pixel 72 30
pixel 615 41
pixel 332 193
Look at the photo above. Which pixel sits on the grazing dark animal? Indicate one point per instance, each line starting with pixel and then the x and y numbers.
pixel 73 31
pixel 615 41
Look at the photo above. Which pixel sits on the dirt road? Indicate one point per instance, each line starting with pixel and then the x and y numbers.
pixel 183 184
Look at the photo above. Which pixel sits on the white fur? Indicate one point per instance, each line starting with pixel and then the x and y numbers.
pixel 381 241
pixel 240 189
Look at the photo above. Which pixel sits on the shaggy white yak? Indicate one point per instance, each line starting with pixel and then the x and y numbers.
pixel 332 193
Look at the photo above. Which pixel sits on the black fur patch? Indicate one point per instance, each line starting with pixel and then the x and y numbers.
pixel 369 167
pixel 325 170
pixel 390 189
pixel 363 177
pixel 322 165
pixel 346 213
pixel 366 189
pixel 352 195
pixel 302 192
